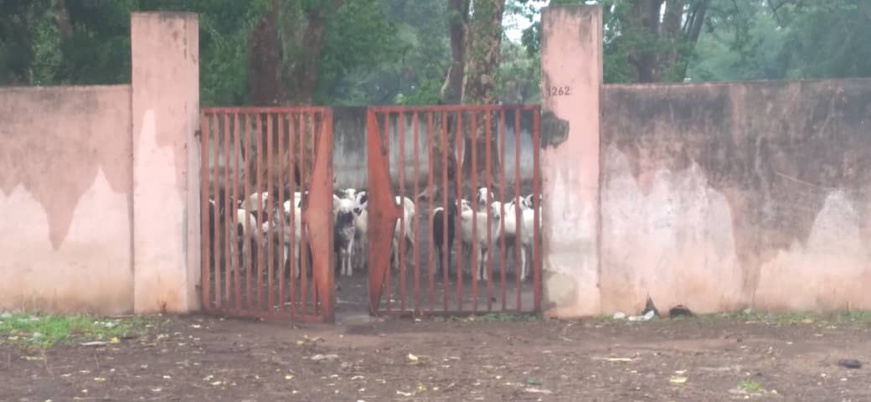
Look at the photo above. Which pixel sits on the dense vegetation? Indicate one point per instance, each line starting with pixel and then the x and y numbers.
pixel 340 52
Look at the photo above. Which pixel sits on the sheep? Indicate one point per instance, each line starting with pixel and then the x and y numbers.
pixel 246 242
pixel 361 225
pixel 508 227
pixel 408 215
pixel 529 198
pixel 343 236
pixel 257 204
pixel 289 238
pixel 527 232
pixel 467 217
pixel 485 194
pixel 438 232
pixel 348 193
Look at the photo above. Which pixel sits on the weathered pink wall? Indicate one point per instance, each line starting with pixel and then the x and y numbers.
pixel 99 186
pixel 571 62
pixel 165 79
pixel 65 199
pixel 718 197
pixel 726 196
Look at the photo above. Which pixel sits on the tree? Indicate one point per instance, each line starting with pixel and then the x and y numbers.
pixel 475 28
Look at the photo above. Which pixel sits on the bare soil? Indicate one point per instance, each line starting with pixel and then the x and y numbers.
pixel 200 358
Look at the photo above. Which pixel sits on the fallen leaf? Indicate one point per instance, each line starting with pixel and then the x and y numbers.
pixel 538 391
pixel 677 380
pixel 94 343
pixel 288 377
pixel 398 392
pixel 114 340
pixel 412 357
pixel 99 379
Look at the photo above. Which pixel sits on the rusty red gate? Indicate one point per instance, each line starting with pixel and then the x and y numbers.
pixel 267 186
pixel 454 141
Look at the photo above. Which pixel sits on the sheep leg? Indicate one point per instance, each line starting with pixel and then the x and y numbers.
pixel 486 275
pixel 296 269
pixel 350 253
pixel 523 271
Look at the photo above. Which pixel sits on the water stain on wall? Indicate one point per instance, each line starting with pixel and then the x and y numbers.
pixel 53 140
pixel 776 150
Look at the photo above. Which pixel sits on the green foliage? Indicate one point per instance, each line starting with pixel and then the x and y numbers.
pixel 398 51
pixel 828 39
pixel 45 330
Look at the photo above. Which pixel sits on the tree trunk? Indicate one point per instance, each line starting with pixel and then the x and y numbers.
pixel 483 44
pixel 269 85
pixel 62 18
pixel 451 94
pixel 265 84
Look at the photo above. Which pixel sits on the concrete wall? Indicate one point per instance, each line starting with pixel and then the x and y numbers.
pixel 65 199
pixel 726 196
pixel 714 196
pixel 349 152
pixel 571 57
pixel 99 189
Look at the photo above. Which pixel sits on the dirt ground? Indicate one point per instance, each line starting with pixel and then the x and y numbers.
pixel 200 358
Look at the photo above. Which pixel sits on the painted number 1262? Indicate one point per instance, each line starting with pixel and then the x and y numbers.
pixel 560 91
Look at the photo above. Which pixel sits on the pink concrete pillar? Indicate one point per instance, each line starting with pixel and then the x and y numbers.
pixel 165 113
pixel 571 79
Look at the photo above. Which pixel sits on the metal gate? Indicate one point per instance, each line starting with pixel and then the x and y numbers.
pixel 267 186
pixel 437 155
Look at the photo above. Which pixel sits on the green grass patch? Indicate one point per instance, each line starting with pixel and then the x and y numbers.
pixel 749 385
pixel 45 330
pixel 503 317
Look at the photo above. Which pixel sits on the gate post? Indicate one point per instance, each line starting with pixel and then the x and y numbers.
pixel 571 80
pixel 166 161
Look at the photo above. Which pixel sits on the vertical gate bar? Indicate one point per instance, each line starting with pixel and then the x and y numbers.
pixel 473 135
pixel 459 156
pixel 383 211
pixel 517 243
pixel 431 198
pixel 400 257
pixel 270 208
pixel 225 184
pixel 536 205
pixel 304 243
pixel 488 266
pixel 292 251
pixel 326 277
pixel 205 219
pixel 247 243
pixel 445 263
pixel 282 199
pixel 216 221
pixel 385 138
pixel 503 255
pixel 234 223
pixel 258 230
pixel 415 219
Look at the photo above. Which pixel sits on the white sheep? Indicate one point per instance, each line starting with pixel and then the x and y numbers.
pixel 290 238
pixel 467 217
pixel 246 226
pixel 408 214
pixel 361 224
pixel 343 236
